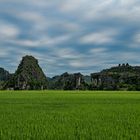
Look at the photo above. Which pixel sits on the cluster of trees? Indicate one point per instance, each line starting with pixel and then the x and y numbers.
pixel 29 76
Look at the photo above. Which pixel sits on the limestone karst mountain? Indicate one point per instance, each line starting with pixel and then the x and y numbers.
pixel 28 75
pixel 68 81
pixel 121 77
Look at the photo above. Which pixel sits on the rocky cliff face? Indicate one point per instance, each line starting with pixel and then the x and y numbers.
pixel 28 75
pixel 68 81
pixel 123 77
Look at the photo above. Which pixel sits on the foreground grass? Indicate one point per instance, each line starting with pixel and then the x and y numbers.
pixel 76 115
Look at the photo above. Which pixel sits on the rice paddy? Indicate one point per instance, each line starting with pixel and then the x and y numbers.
pixel 69 115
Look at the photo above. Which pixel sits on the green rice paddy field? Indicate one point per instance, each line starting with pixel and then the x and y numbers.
pixel 69 115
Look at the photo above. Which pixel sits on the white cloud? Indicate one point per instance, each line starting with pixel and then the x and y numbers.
pixel 8 31
pixel 45 41
pixel 56 40
pixel 101 37
pixel 135 42
pixel 97 50
pixel 137 38
pixel 31 16
pixel 4 53
pixel 71 5
pixel 127 3
pixel 67 53
pixel 41 3
pixel 94 10
pixel 38 21
pixel 71 26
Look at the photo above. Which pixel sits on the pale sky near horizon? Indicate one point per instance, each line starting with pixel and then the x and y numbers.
pixel 70 35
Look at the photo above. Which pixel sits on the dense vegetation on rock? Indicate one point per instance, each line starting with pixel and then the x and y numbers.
pixel 29 76
pixel 124 77
pixel 68 81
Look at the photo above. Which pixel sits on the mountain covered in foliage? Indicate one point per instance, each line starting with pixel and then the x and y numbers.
pixel 28 75
pixel 124 77
pixel 68 81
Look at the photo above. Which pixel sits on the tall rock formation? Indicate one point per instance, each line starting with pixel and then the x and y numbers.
pixel 28 76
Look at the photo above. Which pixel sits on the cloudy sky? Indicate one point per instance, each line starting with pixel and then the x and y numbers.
pixel 70 35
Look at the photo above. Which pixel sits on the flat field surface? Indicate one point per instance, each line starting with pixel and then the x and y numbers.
pixel 69 115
